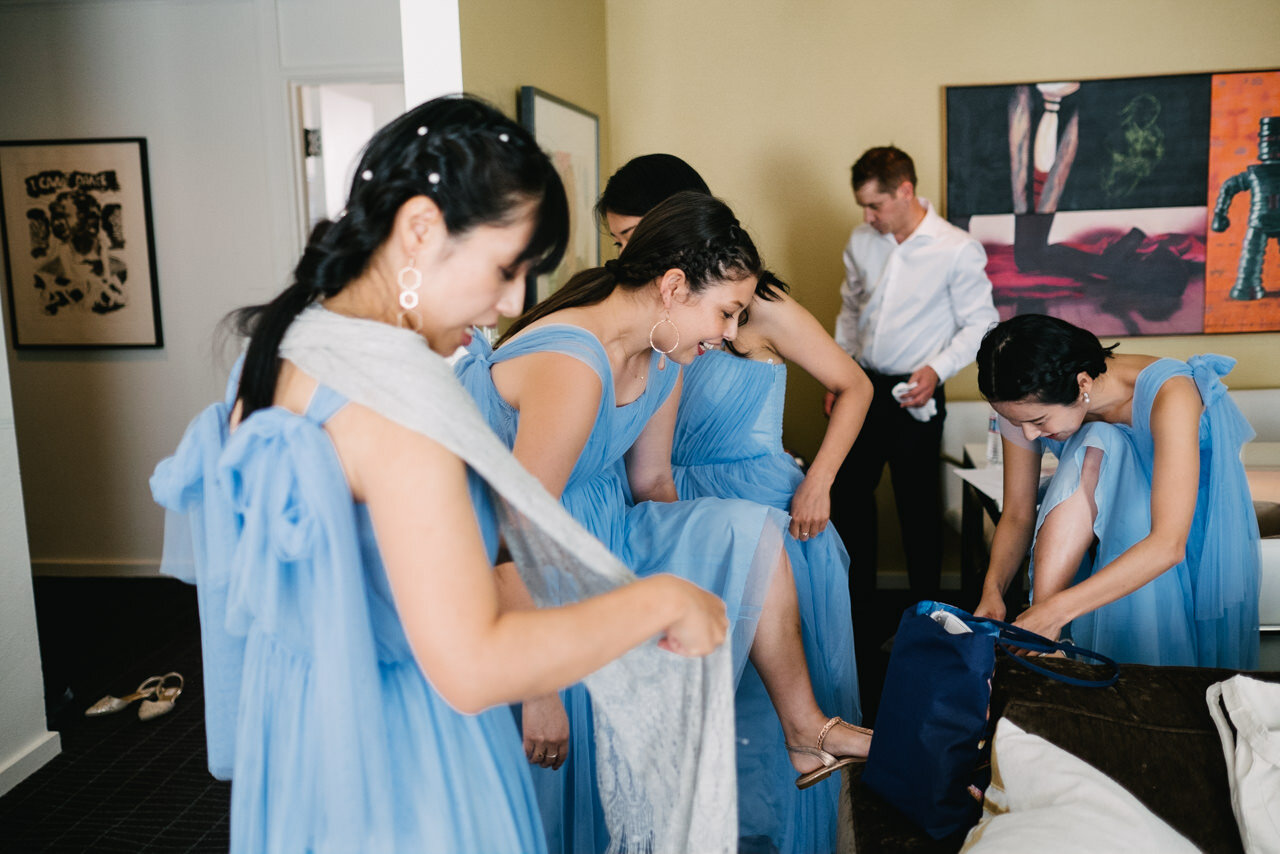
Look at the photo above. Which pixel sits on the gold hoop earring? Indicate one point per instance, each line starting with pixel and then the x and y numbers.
pixel 409 280
pixel 662 354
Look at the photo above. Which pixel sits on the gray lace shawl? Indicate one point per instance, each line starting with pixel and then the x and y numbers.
pixel 663 723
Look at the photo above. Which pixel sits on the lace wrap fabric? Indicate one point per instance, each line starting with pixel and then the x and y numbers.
pixel 664 724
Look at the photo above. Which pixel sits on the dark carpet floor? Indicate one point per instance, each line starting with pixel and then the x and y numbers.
pixel 125 785
pixel 120 784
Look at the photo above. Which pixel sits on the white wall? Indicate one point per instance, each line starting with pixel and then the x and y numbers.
pixel 207 83
pixel 25 745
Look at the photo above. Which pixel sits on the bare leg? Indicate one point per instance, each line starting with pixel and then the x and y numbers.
pixel 1067 533
pixel 778 655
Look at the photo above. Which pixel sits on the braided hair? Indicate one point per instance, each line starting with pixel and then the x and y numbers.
pixel 690 231
pixel 477 165
pixel 1037 357
pixel 642 182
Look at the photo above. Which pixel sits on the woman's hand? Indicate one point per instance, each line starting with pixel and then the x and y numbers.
pixel 1043 618
pixel 991 606
pixel 810 509
pixel 702 624
pixel 546 731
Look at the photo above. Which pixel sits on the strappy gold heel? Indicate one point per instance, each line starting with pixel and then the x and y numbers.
pixel 830 762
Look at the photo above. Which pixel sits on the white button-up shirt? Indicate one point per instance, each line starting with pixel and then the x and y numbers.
pixel 925 301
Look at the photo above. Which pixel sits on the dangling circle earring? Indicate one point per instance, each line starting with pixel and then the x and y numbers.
pixel 662 358
pixel 409 279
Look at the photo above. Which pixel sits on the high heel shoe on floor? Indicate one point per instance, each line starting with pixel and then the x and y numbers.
pixel 830 762
pixel 109 705
pixel 165 696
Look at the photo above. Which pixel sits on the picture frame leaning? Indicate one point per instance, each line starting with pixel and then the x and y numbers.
pixel 79 250
pixel 570 136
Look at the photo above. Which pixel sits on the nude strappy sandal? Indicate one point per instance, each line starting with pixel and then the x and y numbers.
pixel 109 705
pixel 830 762
pixel 166 695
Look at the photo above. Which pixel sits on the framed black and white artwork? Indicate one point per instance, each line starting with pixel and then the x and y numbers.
pixel 80 267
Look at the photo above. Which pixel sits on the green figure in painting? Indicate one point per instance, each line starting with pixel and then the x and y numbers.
pixel 1262 181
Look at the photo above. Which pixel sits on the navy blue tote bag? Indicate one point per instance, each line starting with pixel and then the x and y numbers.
pixel 932 728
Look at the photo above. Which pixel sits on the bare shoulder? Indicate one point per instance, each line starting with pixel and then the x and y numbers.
pixel 546 374
pixel 772 323
pixel 375 451
pixel 1176 410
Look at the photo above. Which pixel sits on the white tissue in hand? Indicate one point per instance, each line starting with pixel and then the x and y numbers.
pixel 920 413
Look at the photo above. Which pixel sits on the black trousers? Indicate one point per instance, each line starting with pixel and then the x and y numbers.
pixel 911 449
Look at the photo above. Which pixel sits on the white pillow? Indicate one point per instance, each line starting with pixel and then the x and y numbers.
pixel 1042 799
pixel 1251 746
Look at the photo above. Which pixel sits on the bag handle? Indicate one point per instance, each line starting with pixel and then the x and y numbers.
pixel 1020 638
pixel 1040 644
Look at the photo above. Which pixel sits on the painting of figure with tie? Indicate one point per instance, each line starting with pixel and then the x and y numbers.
pixel 1088 196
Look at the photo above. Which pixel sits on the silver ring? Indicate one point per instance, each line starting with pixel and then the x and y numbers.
pixel 553 755
pixel 804 533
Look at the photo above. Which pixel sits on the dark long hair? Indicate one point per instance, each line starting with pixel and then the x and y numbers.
pixel 691 232
pixel 477 165
pixel 1037 357
pixel 644 181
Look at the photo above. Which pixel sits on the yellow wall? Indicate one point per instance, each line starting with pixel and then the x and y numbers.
pixel 556 45
pixel 773 100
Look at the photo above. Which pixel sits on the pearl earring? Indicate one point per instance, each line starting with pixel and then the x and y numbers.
pixel 1086 397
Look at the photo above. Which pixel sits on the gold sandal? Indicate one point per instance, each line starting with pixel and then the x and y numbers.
pixel 166 695
pixel 109 705
pixel 830 762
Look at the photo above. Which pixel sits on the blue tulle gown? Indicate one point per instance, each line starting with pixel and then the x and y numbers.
pixel 338 742
pixel 727 547
pixel 1204 611
pixel 728 444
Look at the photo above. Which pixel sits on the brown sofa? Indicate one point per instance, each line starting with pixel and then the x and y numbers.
pixel 1150 732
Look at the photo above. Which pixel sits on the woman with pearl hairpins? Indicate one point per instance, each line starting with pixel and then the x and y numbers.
pixel 341 511
pixel 728 444
pixel 585 388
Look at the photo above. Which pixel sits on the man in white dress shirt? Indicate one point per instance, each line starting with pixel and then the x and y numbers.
pixel 916 302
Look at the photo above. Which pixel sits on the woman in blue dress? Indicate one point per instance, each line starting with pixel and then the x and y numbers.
pixel 1145 543
pixel 728 444
pixel 585 387
pixel 357 591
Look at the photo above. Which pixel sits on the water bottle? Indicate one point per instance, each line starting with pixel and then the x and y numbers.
pixel 994 448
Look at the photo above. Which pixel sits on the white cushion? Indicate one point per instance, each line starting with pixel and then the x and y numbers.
pixel 1042 799
pixel 1247 714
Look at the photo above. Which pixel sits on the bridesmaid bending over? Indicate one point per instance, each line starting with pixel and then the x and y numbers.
pixel 1145 544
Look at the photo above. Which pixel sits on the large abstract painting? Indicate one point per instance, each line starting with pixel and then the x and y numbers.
pixel 1094 198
